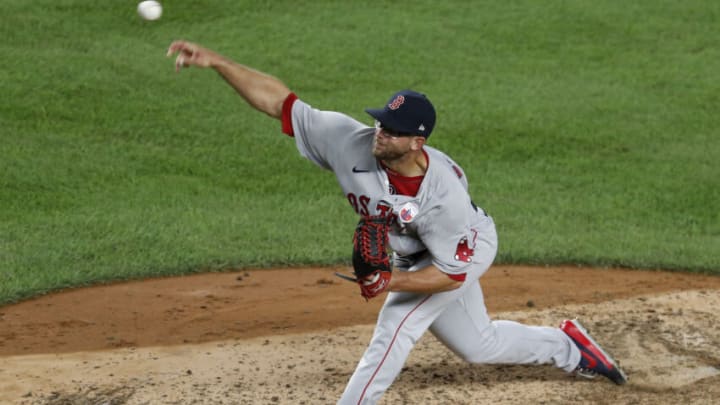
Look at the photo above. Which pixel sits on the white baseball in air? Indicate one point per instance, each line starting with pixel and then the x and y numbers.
pixel 149 10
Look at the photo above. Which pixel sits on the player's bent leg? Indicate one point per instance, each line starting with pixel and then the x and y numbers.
pixel 466 329
pixel 398 327
pixel 401 322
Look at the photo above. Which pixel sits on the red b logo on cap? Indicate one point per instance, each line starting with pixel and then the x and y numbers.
pixel 396 103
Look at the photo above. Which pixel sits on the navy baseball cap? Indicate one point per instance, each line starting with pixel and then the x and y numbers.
pixel 408 112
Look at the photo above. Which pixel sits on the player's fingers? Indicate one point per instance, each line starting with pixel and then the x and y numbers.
pixel 172 48
pixel 188 54
pixel 179 62
pixel 176 46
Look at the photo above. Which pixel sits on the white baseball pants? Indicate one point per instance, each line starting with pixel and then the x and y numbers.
pixel 459 320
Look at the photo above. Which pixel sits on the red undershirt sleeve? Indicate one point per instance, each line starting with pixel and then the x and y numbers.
pixel 287 114
pixel 457 277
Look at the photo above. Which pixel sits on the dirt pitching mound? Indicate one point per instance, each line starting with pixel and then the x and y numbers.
pixel 290 336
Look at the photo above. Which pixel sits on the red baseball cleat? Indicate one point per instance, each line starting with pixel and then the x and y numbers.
pixel 594 360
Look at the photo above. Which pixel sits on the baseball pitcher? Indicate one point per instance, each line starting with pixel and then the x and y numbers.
pixel 420 238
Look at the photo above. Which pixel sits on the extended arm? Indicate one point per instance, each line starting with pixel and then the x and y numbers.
pixel 262 91
pixel 427 280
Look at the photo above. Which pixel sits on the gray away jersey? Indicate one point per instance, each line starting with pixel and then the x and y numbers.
pixel 441 218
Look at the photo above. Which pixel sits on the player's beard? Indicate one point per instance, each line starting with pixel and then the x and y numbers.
pixel 387 152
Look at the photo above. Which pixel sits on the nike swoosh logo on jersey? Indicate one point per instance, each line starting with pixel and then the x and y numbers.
pixel 356 170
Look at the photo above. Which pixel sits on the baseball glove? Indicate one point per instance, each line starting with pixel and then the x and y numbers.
pixel 371 263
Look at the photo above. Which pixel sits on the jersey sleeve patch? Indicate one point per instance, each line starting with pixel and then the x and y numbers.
pixel 463 252
pixel 287 114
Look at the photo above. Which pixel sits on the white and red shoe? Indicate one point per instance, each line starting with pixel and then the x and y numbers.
pixel 594 359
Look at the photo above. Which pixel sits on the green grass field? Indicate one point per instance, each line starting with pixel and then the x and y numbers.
pixel 588 130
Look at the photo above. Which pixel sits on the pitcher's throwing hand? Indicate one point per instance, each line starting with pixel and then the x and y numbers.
pixel 189 54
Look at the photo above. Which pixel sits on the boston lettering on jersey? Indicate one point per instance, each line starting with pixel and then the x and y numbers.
pixel 360 205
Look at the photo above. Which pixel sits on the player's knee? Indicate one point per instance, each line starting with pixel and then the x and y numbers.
pixel 484 349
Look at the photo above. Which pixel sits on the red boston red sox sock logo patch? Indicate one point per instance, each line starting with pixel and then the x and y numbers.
pixel 463 252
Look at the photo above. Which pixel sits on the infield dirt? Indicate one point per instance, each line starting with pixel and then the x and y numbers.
pixel 294 336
